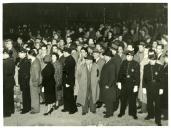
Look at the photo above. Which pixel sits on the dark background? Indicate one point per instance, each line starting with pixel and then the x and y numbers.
pixel 66 13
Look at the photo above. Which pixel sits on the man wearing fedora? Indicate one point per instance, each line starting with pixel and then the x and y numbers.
pixel 108 84
pixel 128 82
pixel 117 62
pixel 88 92
pixel 152 87
pixel 69 82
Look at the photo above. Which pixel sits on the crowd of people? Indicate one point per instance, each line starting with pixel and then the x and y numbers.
pixel 111 66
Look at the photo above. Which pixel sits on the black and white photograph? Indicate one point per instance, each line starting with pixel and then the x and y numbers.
pixel 85 64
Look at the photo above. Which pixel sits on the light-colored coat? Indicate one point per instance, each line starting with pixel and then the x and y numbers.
pixel 82 81
pixel 35 80
pixel 141 96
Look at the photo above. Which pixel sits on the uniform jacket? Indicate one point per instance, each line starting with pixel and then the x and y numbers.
pixel 132 69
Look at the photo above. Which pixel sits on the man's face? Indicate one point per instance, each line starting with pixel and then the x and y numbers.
pixel 54 42
pixel 54 58
pixel 68 40
pixel 22 55
pixel 98 47
pixel 120 38
pixel 113 51
pixel 130 48
pixel 120 50
pixel 55 49
pixel 88 62
pixel 8 45
pixel 19 40
pixel 96 55
pixel 80 29
pixel 159 49
pixel 141 48
pixel 129 57
pixel 44 50
pixel 83 53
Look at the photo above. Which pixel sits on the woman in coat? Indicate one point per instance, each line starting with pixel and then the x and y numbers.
pixel 48 82
pixel 8 83
pixel 58 78
pixel 88 93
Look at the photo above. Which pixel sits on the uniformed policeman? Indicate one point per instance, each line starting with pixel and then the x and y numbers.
pixel 153 87
pixel 128 82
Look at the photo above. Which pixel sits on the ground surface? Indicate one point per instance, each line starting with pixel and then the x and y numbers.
pixel 58 118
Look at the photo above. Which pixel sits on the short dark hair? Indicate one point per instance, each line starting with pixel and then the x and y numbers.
pixel 162 46
pixel 44 46
pixel 32 52
pixel 57 56
pixel 85 49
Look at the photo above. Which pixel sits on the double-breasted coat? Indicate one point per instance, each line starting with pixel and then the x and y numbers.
pixel 82 74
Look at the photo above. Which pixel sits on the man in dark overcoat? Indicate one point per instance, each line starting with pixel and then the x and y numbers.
pixel 69 82
pixel 108 84
pixel 23 79
pixel 128 82
pixel 164 82
pixel 152 87
pixel 8 83
pixel 117 62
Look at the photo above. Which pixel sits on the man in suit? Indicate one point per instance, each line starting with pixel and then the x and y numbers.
pixel 24 79
pixel 128 82
pixel 69 82
pixel 108 84
pixel 152 87
pixel 61 61
pixel 35 74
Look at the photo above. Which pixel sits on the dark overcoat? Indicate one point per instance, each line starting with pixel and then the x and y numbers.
pixel 48 82
pixel 107 78
pixel 8 86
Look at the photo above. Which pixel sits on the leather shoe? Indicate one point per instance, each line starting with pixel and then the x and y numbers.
pixel 148 117
pixel 135 117
pixel 158 123
pixel 120 115
pixel 32 112
pixel 72 112
pixel 24 112
pixel 63 110
pixel 107 116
